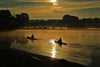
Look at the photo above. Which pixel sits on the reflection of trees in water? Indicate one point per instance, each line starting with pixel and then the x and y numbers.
pixel 7 41
pixel 2 43
pixel 21 40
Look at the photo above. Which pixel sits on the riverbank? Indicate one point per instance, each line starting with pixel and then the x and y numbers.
pixel 14 57
pixel 95 29
pixel 62 29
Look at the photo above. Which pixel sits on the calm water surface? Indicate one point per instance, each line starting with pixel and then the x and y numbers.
pixel 83 45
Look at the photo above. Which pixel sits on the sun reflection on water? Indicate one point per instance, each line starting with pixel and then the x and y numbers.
pixel 54 2
pixel 53 51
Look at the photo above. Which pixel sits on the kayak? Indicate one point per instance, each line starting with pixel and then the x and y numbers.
pixel 32 38
pixel 60 43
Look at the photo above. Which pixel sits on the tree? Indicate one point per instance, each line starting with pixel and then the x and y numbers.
pixel 21 19
pixel 71 21
pixel 5 19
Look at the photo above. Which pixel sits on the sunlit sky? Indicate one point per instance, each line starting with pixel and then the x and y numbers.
pixel 53 9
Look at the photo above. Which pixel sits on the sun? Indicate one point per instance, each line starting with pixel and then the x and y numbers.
pixel 53 0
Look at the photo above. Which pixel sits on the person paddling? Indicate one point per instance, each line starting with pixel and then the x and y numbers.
pixel 60 40
pixel 32 36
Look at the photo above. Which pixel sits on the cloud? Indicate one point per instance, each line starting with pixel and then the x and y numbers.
pixel 45 9
pixel 46 0
pixel 16 4
pixel 79 5
pixel 87 12
pixel 56 8
pixel 13 4
pixel 24 0
pixel 76 0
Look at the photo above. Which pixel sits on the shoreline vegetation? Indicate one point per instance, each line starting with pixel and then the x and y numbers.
pixel 22 21
pixel 60 29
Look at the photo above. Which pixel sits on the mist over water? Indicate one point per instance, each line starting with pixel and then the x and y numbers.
pixel 83 46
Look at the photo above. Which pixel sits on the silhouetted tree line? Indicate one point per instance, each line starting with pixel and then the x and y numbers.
pixel 8 21
pixel 73 21
pixel 89 22
pixel 68 21
pixel 44 24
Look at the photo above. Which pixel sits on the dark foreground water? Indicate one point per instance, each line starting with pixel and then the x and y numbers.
pixel 83 46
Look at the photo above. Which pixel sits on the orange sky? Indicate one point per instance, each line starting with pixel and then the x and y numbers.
pixel 55 9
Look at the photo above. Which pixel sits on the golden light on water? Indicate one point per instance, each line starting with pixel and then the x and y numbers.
pixel 55 3
pixel 53 51
pixel 53 0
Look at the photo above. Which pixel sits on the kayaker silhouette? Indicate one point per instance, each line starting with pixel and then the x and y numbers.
pixel 60 40
pixel 32 36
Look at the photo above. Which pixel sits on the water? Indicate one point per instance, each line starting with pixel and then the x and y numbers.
pixel 83 46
